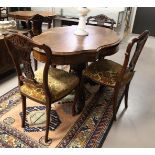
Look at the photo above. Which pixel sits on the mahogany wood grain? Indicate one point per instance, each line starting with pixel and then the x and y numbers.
pixel 68 48
pixel 6 63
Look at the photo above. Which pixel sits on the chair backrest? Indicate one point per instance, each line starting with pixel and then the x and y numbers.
pixel 102 20
pixel 127 71
pixel 129 66
pixel 37 21
pixel 140 42
pixel 104 51
pixel 20 48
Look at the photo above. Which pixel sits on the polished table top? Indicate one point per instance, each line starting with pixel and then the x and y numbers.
pixel 68 48
pixel 24 15
pixel 63 41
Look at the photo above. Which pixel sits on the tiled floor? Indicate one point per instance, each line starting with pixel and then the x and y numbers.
pixel 134 127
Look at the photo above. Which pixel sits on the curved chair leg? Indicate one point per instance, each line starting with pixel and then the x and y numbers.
pixel 24 110
pixel 35 64
pixel 126 95
pixel 48 110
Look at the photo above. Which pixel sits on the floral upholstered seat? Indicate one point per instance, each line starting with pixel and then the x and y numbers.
pixel 60 84
pixel 105 72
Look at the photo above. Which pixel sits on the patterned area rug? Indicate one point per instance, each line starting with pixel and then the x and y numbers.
pixel 86 130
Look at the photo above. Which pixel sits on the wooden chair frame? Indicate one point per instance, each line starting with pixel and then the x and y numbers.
pixel 127 67
pixel 20 48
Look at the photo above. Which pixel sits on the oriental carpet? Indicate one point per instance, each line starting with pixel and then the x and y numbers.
pixel 86 130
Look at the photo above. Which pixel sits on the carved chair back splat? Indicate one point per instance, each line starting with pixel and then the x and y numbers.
pixel 20 48
pixel 102 20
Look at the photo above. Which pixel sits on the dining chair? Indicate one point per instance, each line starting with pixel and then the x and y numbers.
pixel 101 20
pixel 46 85
pixel 114 75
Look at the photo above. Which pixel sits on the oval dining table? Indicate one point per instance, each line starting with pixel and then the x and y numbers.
pixel 70 49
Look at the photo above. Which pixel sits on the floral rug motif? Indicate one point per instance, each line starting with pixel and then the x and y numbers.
pixel 86 130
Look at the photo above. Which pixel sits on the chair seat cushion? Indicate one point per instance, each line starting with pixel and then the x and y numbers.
pixel 60 84
pixel 105 72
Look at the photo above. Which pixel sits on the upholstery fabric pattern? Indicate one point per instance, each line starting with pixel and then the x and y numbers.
pixel 60 84
pixel 106 72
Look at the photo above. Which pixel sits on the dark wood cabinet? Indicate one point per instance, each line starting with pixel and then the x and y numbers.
pixel 6 63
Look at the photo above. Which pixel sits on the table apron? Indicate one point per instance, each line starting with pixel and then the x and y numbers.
pixel 73 59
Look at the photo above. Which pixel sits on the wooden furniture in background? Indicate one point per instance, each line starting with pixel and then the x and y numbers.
pixel 3 13
pixel 114 75
pixel 70 49
pixel 23 22
pixel 44 86
pixel 26 15
pixel 101 20
pixel 34 21
pixel 36 26
pixel 37 21
pixel 6 63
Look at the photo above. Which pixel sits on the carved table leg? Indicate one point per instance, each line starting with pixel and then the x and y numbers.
pixel 79 100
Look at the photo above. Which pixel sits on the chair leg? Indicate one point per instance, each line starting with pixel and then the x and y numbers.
pixel 74 104
pixel 114 112
pixel 35 64
pixel 79 99
pixel 24 110
pixel 48 110
pixel 126 96
pixel 115 104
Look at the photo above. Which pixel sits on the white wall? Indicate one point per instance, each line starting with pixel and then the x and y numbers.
pixel 132 18
pixel 111 12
